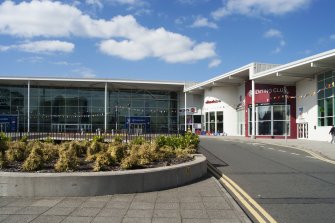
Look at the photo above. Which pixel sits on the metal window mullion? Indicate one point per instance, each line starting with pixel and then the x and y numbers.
pixel 272 122
pixel 28 121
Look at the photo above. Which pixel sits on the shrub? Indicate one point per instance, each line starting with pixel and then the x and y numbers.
pixel 24 139
pixel 3 161
pixel 67 160
pixel 94 149
pixel 102 161
pixel 98 138
pixel 139 140
pixel 4 142
pixel 147 153
pixel 16 151
pixel 132 159
pixel 49 140
pixel 161 141
pixel 117 152
pixel 50 152
pixel 130 162
pixel 191 139
pixel 34 161
pixel 166 152
pixel 118 139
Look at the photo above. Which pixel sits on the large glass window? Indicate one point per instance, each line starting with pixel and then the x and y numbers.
pixel 325 91
pixel 271 120
pixel 214 121
pixel 70 109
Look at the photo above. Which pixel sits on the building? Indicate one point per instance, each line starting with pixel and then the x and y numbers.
pixel 294 100
pixel 73 105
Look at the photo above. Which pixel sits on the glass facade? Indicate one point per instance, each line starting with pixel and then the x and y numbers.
pixel 72 109
pixel 271 120
pixel 214 121
pixel 325 93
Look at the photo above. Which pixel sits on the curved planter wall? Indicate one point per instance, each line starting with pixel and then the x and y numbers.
pixel 101 183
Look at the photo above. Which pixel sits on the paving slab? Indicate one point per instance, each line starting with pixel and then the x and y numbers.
pixel 202 201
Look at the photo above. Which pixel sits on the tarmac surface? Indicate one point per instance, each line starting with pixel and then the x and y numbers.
pixel 202 201
pixel 322 148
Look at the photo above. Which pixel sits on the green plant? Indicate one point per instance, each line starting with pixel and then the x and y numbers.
pixel 50 152
pixel 16 151
pixel 118 139
pixel 117 152
pixel 132 159
pixel 4 142
pixel 102 161
pixel 49 140
pixel 3 161
pixel 67 161
pixel 166 152
pixel 34 161
pixel 95 148
pixel 139 140
pixel 24 139
pixel 98 138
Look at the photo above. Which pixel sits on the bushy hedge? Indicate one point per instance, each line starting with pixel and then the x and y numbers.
pixel 98 155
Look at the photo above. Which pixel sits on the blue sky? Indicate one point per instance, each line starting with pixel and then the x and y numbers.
pixel 181 40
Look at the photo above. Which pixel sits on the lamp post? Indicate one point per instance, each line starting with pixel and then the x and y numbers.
pixel 116 118
pixel 285 93
pixel 18 118
pixel 129 118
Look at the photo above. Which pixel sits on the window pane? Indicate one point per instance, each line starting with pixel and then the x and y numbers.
pixel 329 107
pixel 279 112
pixel 264 113
pixel 264 128
pixel 212 117
pixel 321 92
pixel 278 128
pixel 321 110
pixel 321 122
pixel 329 87
pixel 219 116
pixel 329 121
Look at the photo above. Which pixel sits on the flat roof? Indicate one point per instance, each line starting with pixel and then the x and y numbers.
pixel 94 82
pixel 232 78
pixel 297 70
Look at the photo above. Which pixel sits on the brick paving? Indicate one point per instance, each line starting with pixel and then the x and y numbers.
pixel 204 201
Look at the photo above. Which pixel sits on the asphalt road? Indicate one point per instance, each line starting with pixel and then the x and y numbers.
pixel 289 184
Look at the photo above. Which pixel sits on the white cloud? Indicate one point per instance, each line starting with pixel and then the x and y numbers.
pixel 259 7
pixel 273 33
pixel 122 35
pixel 95 3
pixel 203 22
pixel 214 63
pixel 276 34
pixel 45 46
pixel 84 72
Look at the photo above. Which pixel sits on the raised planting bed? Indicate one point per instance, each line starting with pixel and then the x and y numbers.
pixel 101 183
pixel 97 167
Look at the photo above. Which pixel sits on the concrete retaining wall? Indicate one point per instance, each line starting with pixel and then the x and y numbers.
pixel 101 183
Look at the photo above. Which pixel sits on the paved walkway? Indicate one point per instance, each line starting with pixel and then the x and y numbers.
pixel 322 148
pixel 202 201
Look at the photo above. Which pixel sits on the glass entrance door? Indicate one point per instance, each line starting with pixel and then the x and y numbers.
pixel 137 129
pixel 4 126
pixel 302 130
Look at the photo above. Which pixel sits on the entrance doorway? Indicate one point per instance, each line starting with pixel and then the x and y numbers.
pixel 4 126
pixel 138 128
pixel 302 130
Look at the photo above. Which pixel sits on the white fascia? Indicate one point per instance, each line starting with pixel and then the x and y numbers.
pixel 294 64
pixel 230 73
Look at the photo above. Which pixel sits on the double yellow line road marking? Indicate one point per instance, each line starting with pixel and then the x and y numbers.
pixel 250 204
